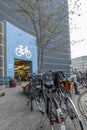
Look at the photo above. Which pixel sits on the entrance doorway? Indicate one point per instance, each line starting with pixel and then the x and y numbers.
pixel 22 69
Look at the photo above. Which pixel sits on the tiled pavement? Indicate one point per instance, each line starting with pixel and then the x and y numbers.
pixel 16 115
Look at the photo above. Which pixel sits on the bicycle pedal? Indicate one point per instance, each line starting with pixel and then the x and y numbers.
pixel 39 100
pixel 72 116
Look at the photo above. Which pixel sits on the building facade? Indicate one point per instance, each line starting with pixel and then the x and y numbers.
pixel 2 52
pixel 18 52
pixel 56 59
pixel 80 63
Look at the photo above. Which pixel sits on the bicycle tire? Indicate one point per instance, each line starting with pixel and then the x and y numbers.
pixel 31 97
pixel 82 103
pixel 40 101
pixel 54 113
pixel 73 115
pixel 31 104
pixel 30 101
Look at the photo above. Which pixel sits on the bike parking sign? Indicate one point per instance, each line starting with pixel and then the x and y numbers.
pixel 20 51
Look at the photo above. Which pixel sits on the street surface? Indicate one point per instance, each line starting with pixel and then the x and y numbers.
pixel 15 114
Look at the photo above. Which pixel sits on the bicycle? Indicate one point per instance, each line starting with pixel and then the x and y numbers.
pixel 82 103
pixel 32 90
pixel 30 94
pixel 48 104
pixel 69 109
pixel 83 82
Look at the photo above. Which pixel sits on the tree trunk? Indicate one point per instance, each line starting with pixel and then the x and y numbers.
pixel 40 59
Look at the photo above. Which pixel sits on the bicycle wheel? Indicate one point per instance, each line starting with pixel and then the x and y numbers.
pixel 31 97
pixel 30 101
pixel 73 115
pixel 40 100
pixel 82 104
pixel 55 115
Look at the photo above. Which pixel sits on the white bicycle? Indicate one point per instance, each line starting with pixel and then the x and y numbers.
pixel 23 51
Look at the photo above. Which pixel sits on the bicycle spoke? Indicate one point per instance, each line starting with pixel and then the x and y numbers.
pixel 74 116
pixel 40 101
pixel 55 116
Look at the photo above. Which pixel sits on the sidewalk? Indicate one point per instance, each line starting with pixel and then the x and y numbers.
pixel 15 114
pixel 2 90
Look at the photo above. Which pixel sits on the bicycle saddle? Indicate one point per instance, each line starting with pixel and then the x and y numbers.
pixel 48 84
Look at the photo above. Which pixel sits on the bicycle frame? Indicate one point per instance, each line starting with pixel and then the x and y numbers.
pixel 71 110
pixel 59 118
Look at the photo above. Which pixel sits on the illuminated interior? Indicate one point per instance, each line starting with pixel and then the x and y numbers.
pixel 21 68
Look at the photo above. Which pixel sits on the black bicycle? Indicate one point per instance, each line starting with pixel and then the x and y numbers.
pixel 30 95
pixel 47 103
pixel 32 90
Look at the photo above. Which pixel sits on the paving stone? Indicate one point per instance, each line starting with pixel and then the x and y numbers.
pixel 15 114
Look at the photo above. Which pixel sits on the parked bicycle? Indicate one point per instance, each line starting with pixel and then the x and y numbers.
pixel 60 95
pixel 55 101
pixel 82 103
pixel 29 92
pixel 47 103
pixel 82 99
pixel 83 80
pixel 68 107
pixel 32 90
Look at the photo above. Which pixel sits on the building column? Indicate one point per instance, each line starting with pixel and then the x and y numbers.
pixel 2 67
